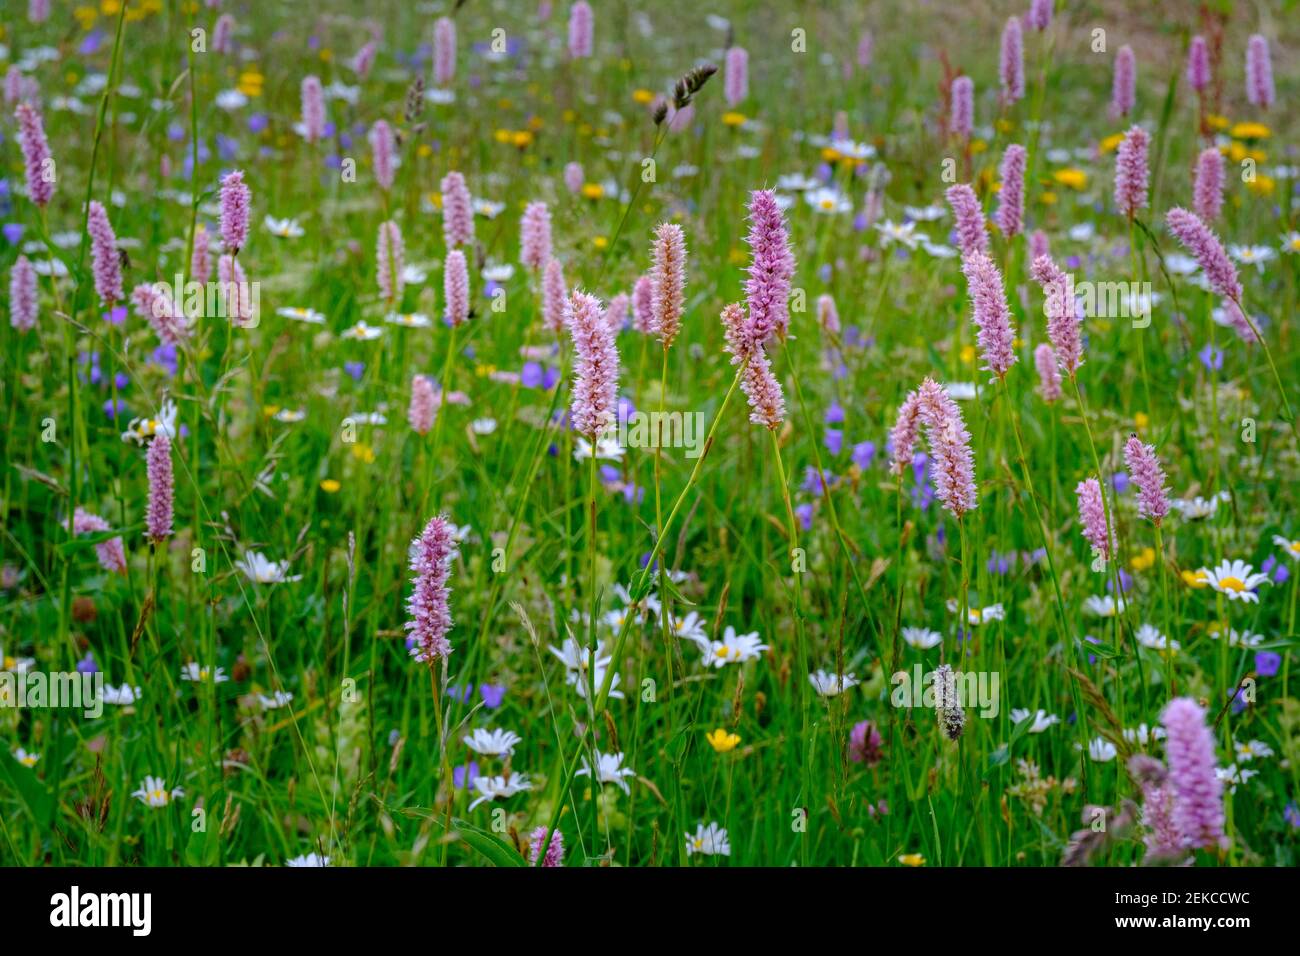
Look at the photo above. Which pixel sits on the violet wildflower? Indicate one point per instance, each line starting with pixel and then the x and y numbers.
pixel 232 285
pixel 430 615
pixel 363 60
pixel 223 32
pixel 950 449
pixel 1131 172
pixel 866 746
pixel 616 312
pixel 902 438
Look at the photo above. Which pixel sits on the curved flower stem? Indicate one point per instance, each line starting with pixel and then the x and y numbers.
pixel 1288 415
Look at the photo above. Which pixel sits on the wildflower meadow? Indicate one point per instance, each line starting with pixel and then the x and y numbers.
pixel 582 433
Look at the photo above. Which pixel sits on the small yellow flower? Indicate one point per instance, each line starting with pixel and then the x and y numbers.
pixel 737 256
pixel 722 741
pixel 1111 143
pixel 1195 579
pixel 521 138
pixel 1215 121
pixel 424 151
pixel 644 97
pixel 270 410
pixel 912 859
pixel 1048 198
pixel 1005 126
pixel 1145 559
pixel 968 354
pixel 1250 131
pixel 501 135
pixel 568 116
pixel 250 83
pixel 1236 152
pixel 1074 178
pixel 600 242
pixel 330 485
pixel 85 17
pixel 110 8
pixel 484 370
pixel 505 103
pixel 733 119
pixel 830 155
pixel 1142 420
pixel 593 190
pixel 978 146
pixel 535 123
pixel 1262 185
pixel 363 452
pixel 326 55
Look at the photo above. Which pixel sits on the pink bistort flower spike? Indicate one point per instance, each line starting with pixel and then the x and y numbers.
pixel 535 236
pixel 771 269
pixel 388 263
pixel 1049 373
pixel 105 260
pixel 23 302
pixel 37 164
pixel 961 118
pixel 1038 245
pixel 313 109
pixel 1144 466
pixel 457 211
pixel 972 236
pixel 1207 190
pixel 111 553
pixel 429 608
pixel 223 34
pixel 1198 239
pixel 158 466
pixel 1259 73
pixel 616 312
pixel 643 316
pixel 364 60
pixel 1011 64
pixel 200 258
pixel 1198 64
pixel 902 438
pixel 554 855
pixel 1092 517
pixel 1062 313
pixel 574 177
pixel 423 406
pixel 1131 172
pixel 828 316
pixel 156 306
pixel 580 30
pixel 1040 14
pixel 1123 93
pixel 668 280
pixel 761 387
pixel 1011 197
pixel 382 151
pixel 455 286
pixel 736 75
pixel 595 386
pixel 554 297
pixel 950 449
pixel 235 202
pixel 990 312
pixel 234 290
pixel 444 51
pixel 1197 789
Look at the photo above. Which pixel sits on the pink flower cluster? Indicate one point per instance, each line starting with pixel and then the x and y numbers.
pixel 430 614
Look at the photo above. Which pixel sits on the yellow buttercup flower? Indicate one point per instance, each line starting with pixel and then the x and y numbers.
pixel 363 452
pixel 1250 131
pixel 721 741
pixel 593 190
pixel 330 485
pixel 1111 143
pixel 1215 121
pixel 1074 178
pixel 1195 579
pixel 600 242
pixel 733 119
pixel 912 859
pixel 968 354
pixel 1048 198
pixel 521 138
pixel 978 146
pixel 1261 185
pixel 644 97
pixel 1142 420
pixel 830 155
pixel 1143 560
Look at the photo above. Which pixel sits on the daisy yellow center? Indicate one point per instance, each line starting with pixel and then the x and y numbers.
pixel 828 204
pixel 28 761
pixel 158 795
pixel 1232 584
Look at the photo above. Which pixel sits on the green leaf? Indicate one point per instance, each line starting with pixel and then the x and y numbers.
pixel 29 787
pixel 496 850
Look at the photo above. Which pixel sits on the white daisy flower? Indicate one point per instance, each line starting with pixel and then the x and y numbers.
pixel 1149 636
pixel 796 182
pixel 483 426
pixel 932 213
pixel 409 320
pixel 607 449
pixel 289 415
pixel 1041 719
pixel 193 672
pixel 362 332
pixel 283 228
pixel 1290 545
pixel 1104 606
pixel 1236 579
pixel 922 637
pixel 1232 776
pixel 25 758
pixel 490 788
pixel 734 648
pixel 487 208
pixel 691 628
pixel 311 859
pixel 1235 638
pixel 892 232
pixel 121 696
pixel 492 743
pixel 708 841
pixel 1252 750
pixel 1252 255
pixel 138 430
pixel 609 769
pixel 258 569
pixel 1142 735
pixel 310 316
pixel 827 201
pixel 831 685
pixel 281 698
pixel 500 272
pixel 1100 750
pixel 154 793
